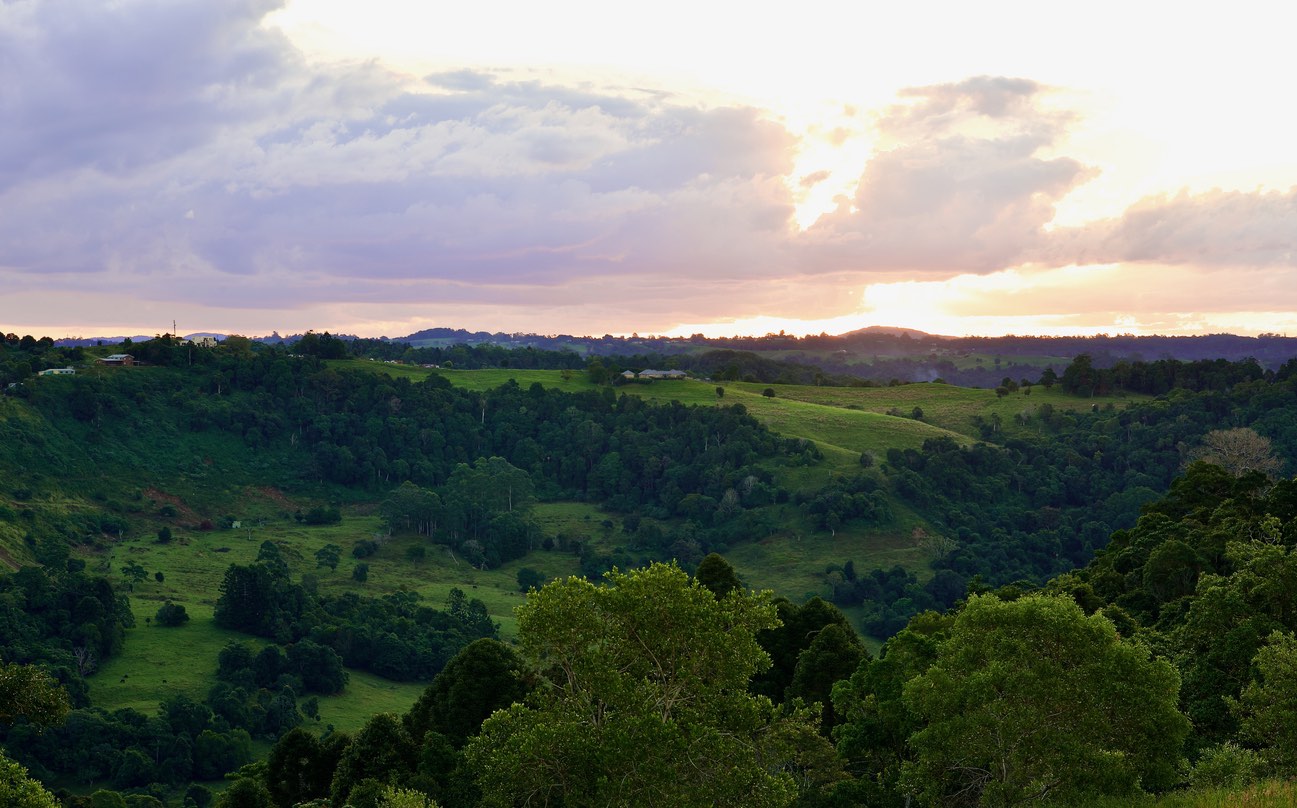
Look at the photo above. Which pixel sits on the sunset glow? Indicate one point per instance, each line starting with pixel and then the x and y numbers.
pixel 591 168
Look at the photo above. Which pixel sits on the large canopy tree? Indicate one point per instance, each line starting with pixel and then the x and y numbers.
pixel 1033 699
pixel 643 700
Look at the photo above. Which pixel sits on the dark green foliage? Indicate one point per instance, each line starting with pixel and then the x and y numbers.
pixel 846 499
pixel 1031 510
pixel 529 578
pixel 833 655
pixel 328 556
pixel 483 677
pixel 128 747
pixel 360 573
pixel 364 548
pixel 164 534
pixel 799 625
pixel 382 751
pixel 392 636
pixel 64 619
pixel 297 769
pixel 246 792
pixel 171 615
pixel 312 667
pixel 320 515
pixel 715 573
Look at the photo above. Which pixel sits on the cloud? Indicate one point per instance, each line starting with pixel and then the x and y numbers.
pixel 964 187
pixel 176 153
pixel 1217 229
pixel 221 156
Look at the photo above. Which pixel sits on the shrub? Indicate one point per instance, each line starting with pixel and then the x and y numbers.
pixel 529 578
pixel 364 548
pixel 1226 766
pixel 171 615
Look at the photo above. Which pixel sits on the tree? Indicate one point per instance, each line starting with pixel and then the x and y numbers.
pixel 29 692
pixel 769 392
pixel 1031 699
pixel 18 790
pixel 833 655
pixel 394 797
pixel 715 573
pixel 529 578
pixel 295 770
pixel 1238 451
pixel 1268 705
pixel 171 615
pixel 382 750
pixel 720 392
pixel 134 572
pixel 644 699
pixel 164 535
pixel 328 556
pixel 485 676
pixel 360 573
pixel 245 792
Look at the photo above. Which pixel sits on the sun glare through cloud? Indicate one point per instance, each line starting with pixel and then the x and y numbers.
pixel 721 166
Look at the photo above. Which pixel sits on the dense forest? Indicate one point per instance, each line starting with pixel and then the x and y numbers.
pixel 1145 546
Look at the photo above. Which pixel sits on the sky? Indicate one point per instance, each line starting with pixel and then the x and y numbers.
pixel 247 166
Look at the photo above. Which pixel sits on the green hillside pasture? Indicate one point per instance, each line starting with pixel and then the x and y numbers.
pixel 158 663
pixel 946 406
pixel 570 381
pixel 193 565
pixel 842 434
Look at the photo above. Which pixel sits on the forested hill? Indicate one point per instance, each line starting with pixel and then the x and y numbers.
pixel 128 460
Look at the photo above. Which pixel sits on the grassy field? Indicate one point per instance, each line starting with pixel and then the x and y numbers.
pixel 1267 794
pixel 193 563
pixel 946 406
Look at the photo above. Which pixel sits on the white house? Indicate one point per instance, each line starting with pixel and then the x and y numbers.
pixel 57 372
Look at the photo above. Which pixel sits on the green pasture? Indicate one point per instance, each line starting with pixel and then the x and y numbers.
pixel 194 562
pixel 1266 794
pixel 945 406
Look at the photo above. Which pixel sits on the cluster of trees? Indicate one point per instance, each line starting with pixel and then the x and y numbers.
pixel 128 749
pixel 62 618
pixel 393 635
pixel 1083 378
pixel 891 597
pixel 661 689
pixel 846 498
pixel 1034 508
